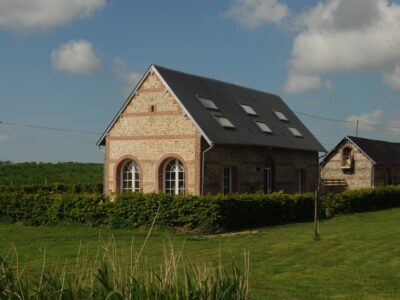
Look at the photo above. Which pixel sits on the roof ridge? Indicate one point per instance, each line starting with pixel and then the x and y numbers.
pixel 217 80
pixel 372 140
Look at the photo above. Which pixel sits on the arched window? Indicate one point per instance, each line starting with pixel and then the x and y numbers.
pixel 130 177
pixel 174 177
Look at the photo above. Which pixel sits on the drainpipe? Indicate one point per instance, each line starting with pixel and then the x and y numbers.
pixel 202 167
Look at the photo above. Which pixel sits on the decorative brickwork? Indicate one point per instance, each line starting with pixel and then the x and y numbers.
pixel 148 136
pixel 153 128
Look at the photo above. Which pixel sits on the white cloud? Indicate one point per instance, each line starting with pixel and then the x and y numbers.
pixel 75 57
pixel 375 120
pixel 393 126
pixel 33 15
pixel 254 13
pixel 392 79
pixel 347 36
pixel 298 84
pixel 4 137
pixel 365 120
pixel 127 76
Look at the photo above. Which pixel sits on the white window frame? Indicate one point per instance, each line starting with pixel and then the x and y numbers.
pixel 248 109
pixel 177 169
pixel 229 187
pixel 299 174
pixel 295 132
pixel 263 127
pixel 281 116
pixel 207 103
pixel 268 180
pixel 134 171
pixel 224 122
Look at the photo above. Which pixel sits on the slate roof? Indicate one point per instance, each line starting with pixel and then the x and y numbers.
pixel 380 152
pixel 228 97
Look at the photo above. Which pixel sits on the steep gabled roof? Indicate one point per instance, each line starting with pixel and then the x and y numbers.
pixel 378 152
pixel 228 97
pixel 381 152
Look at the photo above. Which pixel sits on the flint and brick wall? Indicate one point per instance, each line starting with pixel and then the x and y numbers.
pixel 358 177
pixel 152 129
pixel 386 174
pixel 250 162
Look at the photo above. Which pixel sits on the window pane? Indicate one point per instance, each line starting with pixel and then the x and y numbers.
pixel 225 122
pixel 207 103
pixel 248 109
pixel 264 127
pixel 174 177
pixel 295 131
pixel 280 115
pixel 130 177
pixel 227 180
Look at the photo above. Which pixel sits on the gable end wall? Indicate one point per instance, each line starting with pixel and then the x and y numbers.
pixel 361 177
pixel 152 128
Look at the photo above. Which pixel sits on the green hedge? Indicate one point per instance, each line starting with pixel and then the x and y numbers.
pixel 54 187
pixel 44 206
pixel 207 214
pixel 362 200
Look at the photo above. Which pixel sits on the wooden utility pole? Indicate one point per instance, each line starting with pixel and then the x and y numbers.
pixel 357 128
pixel 317 236
pixel 317 201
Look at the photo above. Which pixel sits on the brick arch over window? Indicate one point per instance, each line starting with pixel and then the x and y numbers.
pixel 160 168
pixel 122 161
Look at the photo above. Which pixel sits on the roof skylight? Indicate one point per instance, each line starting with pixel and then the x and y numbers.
pixel 295 132
pixel 224 122
pixel 263 127
pixel 207 103
pixel 280 115
pixel 248 109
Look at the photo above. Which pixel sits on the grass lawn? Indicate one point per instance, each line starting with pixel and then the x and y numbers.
pixel 358 256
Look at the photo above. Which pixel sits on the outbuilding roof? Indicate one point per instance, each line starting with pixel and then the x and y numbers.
pixel 228 113
pixel 381 152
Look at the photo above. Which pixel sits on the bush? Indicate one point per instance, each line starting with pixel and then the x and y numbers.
pixel 362 200
pixel 49 206
pixel 39 205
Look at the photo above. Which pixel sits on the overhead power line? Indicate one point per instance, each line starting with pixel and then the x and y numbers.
pixel 323 118
pixel 49 128
pixel 377 126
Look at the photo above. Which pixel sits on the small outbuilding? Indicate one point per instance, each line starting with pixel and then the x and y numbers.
pixel 361 163
pixel 182 133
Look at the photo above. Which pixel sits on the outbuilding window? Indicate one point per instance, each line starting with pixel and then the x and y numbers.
pixel 130 177
pixel 347 157
pixel 174 177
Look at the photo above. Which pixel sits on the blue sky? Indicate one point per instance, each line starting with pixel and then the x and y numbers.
pixel 70 64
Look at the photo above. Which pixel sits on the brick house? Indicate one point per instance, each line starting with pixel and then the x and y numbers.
pixel 181 133
pixel 360 163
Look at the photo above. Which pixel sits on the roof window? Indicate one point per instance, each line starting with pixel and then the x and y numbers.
pixel 295 132
pixel 224 122
pixel 248 110
pixel 263 127
pixel 280 115
pixel 207 103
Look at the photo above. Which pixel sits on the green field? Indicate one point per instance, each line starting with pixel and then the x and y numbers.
pixel 30 173
pixel 358 256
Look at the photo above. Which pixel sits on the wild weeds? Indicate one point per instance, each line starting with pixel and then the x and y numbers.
pixel 124 273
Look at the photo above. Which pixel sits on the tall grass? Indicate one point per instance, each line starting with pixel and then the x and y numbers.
pixel 119 273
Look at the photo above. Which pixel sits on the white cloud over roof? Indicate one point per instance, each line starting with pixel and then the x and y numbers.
pixel 75 57
pixel 36 15
pixel 347 36
pixel 254 13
